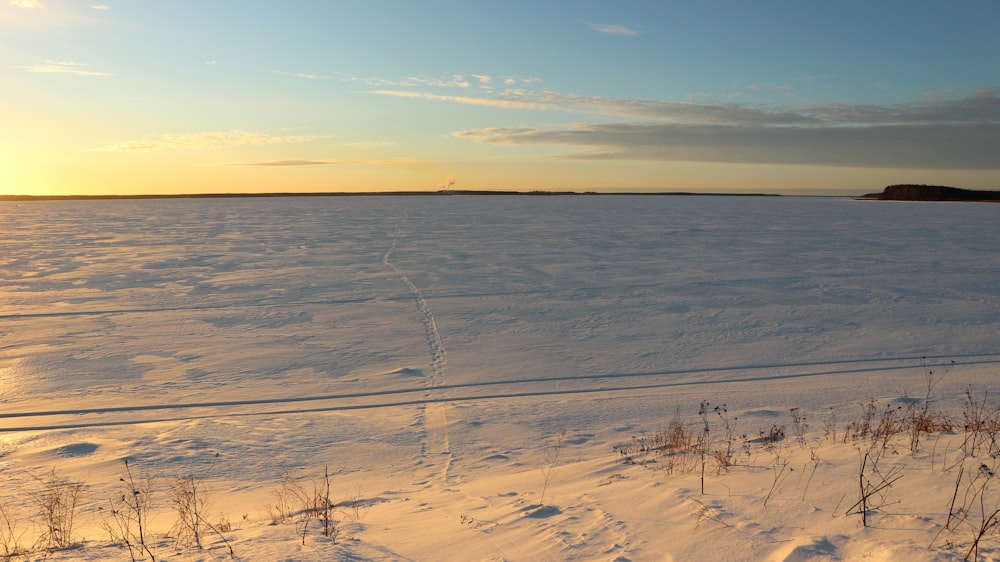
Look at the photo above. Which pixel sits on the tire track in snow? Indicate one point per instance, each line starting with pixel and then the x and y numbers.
pixel 435 420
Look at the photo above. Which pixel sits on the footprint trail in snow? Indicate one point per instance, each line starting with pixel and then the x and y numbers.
pixel 435 413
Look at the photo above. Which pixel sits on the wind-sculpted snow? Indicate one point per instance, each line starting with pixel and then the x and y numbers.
pixel 429 348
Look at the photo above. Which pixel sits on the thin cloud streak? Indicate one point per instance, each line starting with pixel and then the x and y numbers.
pixel 982 106
pixel 934 146
pixel 468 100
pixel 951 133
pixel 456 80
pixel 657 109
pixel 62 67
pixel 614 29
pixel 295 163
pixel 597 105
pixel 979 107
pixel 207 140
pixel 283 163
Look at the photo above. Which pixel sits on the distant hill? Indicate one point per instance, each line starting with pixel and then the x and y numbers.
pixel 911 192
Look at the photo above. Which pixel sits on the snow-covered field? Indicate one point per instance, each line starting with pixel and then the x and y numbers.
pixel 464 366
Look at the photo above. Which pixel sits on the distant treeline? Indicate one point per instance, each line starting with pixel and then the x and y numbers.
pixel 916 192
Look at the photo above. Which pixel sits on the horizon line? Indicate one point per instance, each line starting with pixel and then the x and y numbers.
pixel 418 193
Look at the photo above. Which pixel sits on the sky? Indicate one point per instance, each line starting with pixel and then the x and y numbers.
pixel 210 96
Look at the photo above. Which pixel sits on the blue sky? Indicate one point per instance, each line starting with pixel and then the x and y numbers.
pixel 146 96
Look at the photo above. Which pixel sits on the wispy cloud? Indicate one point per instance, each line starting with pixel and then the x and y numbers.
pixel 100 7
pixel 630 108
pixel 63 67
pixel 981 106
pixel 468 100
pixel 26 4
pixel 454 80
pixel 207 140
pixel 368 144
pixel 342 76
pixel 449 81
pixel 932 146
pixel 294 163
pixel 614 29
pixel 486 82
pixel 771 87
pixel 284 163
pixel 952 133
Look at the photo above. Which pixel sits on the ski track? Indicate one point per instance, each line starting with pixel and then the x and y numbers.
pixel 435 419
pixel 427 399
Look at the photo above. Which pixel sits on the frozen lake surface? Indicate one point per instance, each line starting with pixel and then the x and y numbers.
pixel 281 333
pixel 103 298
